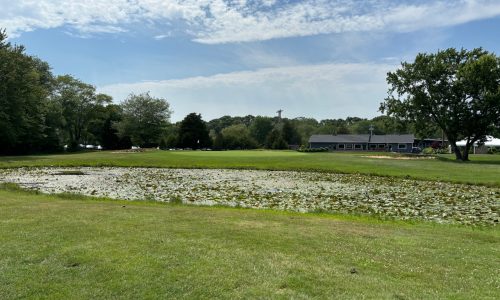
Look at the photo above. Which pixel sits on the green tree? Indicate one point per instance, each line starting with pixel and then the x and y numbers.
pixel 459 91
pixel 80 105
pixel 25 84
pixel 171 141
pixel 225 121
pixel 360 126
pixel 391 125
pixel 145 119
pixel 290 133
pixel 333 126
pixel 193 132
pixel 218 124
pixel 107 132
pixel 171 135
pixel 275 140
pixel 238 137
pixel 260 129
pixel 218 143
pixel 305 128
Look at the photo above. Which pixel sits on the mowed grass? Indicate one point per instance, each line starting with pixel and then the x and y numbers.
pixel 69 247
pixel 482 169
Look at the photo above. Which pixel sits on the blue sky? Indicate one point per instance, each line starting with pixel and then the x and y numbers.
pixel 311 58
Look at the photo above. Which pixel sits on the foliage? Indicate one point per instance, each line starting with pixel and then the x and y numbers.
pixel 305 127
pixel 107 132
pixel 163 144
pixel 275 140
pixel 144 119
pixel 27 121
pixel 193 132
pixel 171 141
pixel 79 106
pixel 40 113
pixel 218 143
pixel 428 151
pixel 237 137
pixel 459 91
pixel 289 133
pixel 312 150
pixel 493 150
pixel 219 124
pixel 297 131
pixel 260 129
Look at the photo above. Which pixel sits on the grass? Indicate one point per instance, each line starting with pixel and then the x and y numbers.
pixel 65 246
pixel 483 169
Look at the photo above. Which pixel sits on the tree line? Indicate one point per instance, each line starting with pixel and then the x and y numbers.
pixel 41 112
pixel 455 93
pixel 251 132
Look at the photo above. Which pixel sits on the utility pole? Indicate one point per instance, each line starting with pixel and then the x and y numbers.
pixel 371 133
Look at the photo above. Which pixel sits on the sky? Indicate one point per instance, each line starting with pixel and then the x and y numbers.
pixel 312 58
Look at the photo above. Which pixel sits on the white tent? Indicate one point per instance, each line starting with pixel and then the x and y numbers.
pixel 490 143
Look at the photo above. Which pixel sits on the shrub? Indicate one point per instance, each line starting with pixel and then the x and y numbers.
pixel 309 150
pixel 431 151
pixel 428 151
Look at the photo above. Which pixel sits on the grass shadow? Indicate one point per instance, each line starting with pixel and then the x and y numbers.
pixel 473 161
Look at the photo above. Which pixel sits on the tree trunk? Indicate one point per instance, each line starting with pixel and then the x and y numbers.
pixel 465 155
pixel 456 150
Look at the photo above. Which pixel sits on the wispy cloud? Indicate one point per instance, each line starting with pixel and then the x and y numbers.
pixel 322 91
pixel 227 21
pixel 162 36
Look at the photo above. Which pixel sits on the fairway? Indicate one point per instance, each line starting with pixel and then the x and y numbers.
pixel 482 169
pixel 62 247
pixel 71 246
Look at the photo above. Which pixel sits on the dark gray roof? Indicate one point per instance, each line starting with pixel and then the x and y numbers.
pixel 362 138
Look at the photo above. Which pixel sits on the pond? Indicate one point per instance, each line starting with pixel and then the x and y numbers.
pixel 284 190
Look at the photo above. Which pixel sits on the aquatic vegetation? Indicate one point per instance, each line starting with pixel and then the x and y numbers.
pixel 285 190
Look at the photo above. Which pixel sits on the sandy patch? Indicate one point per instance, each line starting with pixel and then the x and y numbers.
pixel 400 157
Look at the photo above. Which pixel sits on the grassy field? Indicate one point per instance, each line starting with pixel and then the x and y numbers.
pixel 483 169
pixel 61 247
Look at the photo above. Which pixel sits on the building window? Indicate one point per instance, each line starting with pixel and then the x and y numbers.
pixel 348 146
pixel 373 146
pixel 381 146
pixel 358 147
pixel 401 146
pixel 341 146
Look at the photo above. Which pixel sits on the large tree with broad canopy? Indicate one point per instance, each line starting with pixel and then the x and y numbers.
pixel 457 90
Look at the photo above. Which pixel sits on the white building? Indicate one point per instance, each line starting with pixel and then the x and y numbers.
pixel 491 142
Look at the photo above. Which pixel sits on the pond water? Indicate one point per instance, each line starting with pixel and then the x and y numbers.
pixel 297 191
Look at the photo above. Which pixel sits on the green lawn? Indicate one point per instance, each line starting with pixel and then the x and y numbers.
pixel 483 169
pixel 64 247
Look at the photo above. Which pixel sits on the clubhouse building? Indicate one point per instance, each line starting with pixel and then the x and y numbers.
pixel 363 142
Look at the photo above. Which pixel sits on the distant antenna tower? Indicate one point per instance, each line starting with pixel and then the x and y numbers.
pixel 279 113
pixel 371 130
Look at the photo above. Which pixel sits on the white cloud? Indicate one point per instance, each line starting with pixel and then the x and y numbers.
pixel 162 36
pixel 321 91
pixel 225 21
